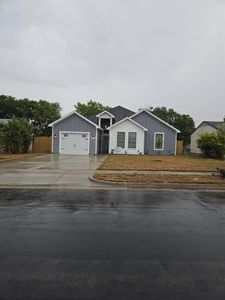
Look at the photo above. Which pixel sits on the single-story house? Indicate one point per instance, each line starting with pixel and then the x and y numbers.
pixel 205 126
pixel 117 130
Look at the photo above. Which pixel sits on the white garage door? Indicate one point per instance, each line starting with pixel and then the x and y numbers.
pixel 74 143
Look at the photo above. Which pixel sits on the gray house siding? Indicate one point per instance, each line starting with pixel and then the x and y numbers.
pixel 74 123
pixel 153 125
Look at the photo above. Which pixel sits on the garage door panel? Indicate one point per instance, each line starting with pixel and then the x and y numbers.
pixel 74 143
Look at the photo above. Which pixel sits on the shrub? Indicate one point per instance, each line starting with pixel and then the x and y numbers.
pixel 212 144
pixel 17 136
pixel 1 138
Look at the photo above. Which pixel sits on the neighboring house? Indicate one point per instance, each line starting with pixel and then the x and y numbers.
pixel 205 126
pixel 117 130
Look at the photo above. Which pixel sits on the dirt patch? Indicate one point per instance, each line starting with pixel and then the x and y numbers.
pixel 161 163
pixel 10 157
pixel 148 179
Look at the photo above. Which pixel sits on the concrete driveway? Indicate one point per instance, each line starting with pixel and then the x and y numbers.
pixel 50 170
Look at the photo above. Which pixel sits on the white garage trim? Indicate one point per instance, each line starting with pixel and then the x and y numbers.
pixel 96 141
pixel 76 132
pixel 52 147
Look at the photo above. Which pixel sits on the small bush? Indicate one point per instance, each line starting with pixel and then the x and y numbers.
pixel 1 138
pixel 17 135
pixel 212 144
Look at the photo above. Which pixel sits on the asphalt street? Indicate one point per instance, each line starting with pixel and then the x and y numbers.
pixel 111 244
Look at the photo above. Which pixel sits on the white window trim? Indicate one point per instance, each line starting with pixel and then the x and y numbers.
pixel 175 152
pixel 96 141
pixel 163 134
pixel 99 121
pixel 79 132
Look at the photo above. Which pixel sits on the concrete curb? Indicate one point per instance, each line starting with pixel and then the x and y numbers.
pixel 163 186
pixel 106 182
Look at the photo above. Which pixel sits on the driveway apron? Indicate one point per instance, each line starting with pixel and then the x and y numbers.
pixel 50 170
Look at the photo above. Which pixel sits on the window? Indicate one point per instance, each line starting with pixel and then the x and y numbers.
pixel 132 136
pixel 159 141
pixel 121 139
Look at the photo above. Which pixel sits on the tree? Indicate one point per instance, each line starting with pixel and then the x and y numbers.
pixel 90 108
pixel 1 138
pixel 38 113
pixel 44 114
pixel 212 144
pixel 183 122
pixel 17 135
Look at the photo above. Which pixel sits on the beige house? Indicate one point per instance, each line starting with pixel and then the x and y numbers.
pixel 205 126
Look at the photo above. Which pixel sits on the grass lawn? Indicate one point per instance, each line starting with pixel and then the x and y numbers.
pixel 148 179
pixel 10 157
pixel 161 163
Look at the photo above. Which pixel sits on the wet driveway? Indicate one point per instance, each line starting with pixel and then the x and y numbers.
pixel 50 170
pixel 115 244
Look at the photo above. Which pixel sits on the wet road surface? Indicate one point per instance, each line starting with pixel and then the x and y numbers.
pixel 115 244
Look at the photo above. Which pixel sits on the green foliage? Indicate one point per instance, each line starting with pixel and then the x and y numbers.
pixel 1 138
pixel 212 144
pixel 45 113
pixel 17 135
pixel 91 108
pixel 183 122
pixel 39 113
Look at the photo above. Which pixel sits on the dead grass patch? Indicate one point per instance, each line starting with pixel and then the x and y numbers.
pixel 161 163
pixel 10 157
pixel 148 179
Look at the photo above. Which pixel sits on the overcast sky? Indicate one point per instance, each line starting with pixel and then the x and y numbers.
pixel 118 52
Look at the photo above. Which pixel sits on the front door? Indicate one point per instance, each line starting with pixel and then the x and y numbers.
pixel 105 143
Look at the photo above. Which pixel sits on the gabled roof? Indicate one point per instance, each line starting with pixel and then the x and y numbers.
pixel 70 114
pixel 118 112
pixel 213 124
pixel 160 120
pixel 105 112
pixel 130 120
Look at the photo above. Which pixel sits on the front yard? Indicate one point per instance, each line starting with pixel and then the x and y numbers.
pixel 148 169
pixel 9 157
pixel 161 163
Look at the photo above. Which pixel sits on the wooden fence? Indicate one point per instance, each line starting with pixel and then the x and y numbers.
pixel 180 147
pixel 42 144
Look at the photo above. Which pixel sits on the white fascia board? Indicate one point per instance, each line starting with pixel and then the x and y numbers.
pixel 59 120
pixel 76 113
pixel 105 112
pixel 157 118
pixel 128 119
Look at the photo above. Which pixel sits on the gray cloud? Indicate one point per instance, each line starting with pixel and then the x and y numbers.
pixel 133 53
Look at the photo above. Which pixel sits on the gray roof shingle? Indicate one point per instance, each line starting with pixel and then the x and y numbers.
pixel 214 124
pixel 119 112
